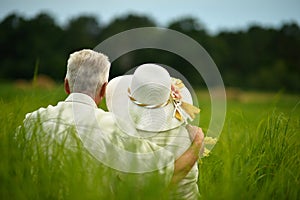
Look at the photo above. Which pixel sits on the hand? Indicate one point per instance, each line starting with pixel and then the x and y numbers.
pixel 187 160
pixel 197 136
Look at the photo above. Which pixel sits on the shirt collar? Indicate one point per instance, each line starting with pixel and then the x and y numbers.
pixel 81 98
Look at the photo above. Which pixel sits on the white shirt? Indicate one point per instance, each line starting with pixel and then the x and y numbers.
pixel 177 141
pixel 100 135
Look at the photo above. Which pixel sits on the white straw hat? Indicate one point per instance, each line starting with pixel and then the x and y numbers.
pixel 147 99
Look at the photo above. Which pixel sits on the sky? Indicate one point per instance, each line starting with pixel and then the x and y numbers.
pixel 216 15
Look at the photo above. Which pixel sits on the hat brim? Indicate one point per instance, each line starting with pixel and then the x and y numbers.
pixel 145 119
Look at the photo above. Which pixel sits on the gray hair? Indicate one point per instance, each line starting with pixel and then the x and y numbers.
pixel 87 71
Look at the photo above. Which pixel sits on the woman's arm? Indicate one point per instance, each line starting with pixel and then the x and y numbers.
pixel 187 160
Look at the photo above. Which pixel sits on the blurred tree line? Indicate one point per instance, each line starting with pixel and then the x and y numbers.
pixel 256 58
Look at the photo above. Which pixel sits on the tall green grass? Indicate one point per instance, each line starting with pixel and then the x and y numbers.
pixel 256 157
pixel 256 162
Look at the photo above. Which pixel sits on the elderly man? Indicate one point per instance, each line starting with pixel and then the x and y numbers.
pixel 97 131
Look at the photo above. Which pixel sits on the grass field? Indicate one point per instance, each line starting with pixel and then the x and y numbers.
pixel 257 155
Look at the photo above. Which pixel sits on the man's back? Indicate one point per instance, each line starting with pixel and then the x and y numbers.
pixel 57 160
pixel 76 124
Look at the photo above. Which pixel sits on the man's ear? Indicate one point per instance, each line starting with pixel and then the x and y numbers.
pixel 100 94
pixel 67 86
pixel 103 90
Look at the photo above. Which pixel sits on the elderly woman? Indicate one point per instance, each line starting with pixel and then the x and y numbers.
pixel 159 107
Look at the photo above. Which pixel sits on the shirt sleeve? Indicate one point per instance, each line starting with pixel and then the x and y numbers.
pixel 127 154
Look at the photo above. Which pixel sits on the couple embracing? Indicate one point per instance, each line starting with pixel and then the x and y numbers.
pixel 145 132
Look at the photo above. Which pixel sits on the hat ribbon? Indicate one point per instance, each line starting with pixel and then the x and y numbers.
pixel 153 106
pixel 182 110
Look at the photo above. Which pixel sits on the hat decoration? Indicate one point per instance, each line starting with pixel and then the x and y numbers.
pixel 182 110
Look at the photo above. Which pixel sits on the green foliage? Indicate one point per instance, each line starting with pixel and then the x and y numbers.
pixel 254 162
pixel 41 166
pixel 256 157
pixel 258 58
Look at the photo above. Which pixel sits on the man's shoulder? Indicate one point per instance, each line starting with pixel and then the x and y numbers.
pixel 105 115
pixel 37 113
pixel 107 121
pixel 46 112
